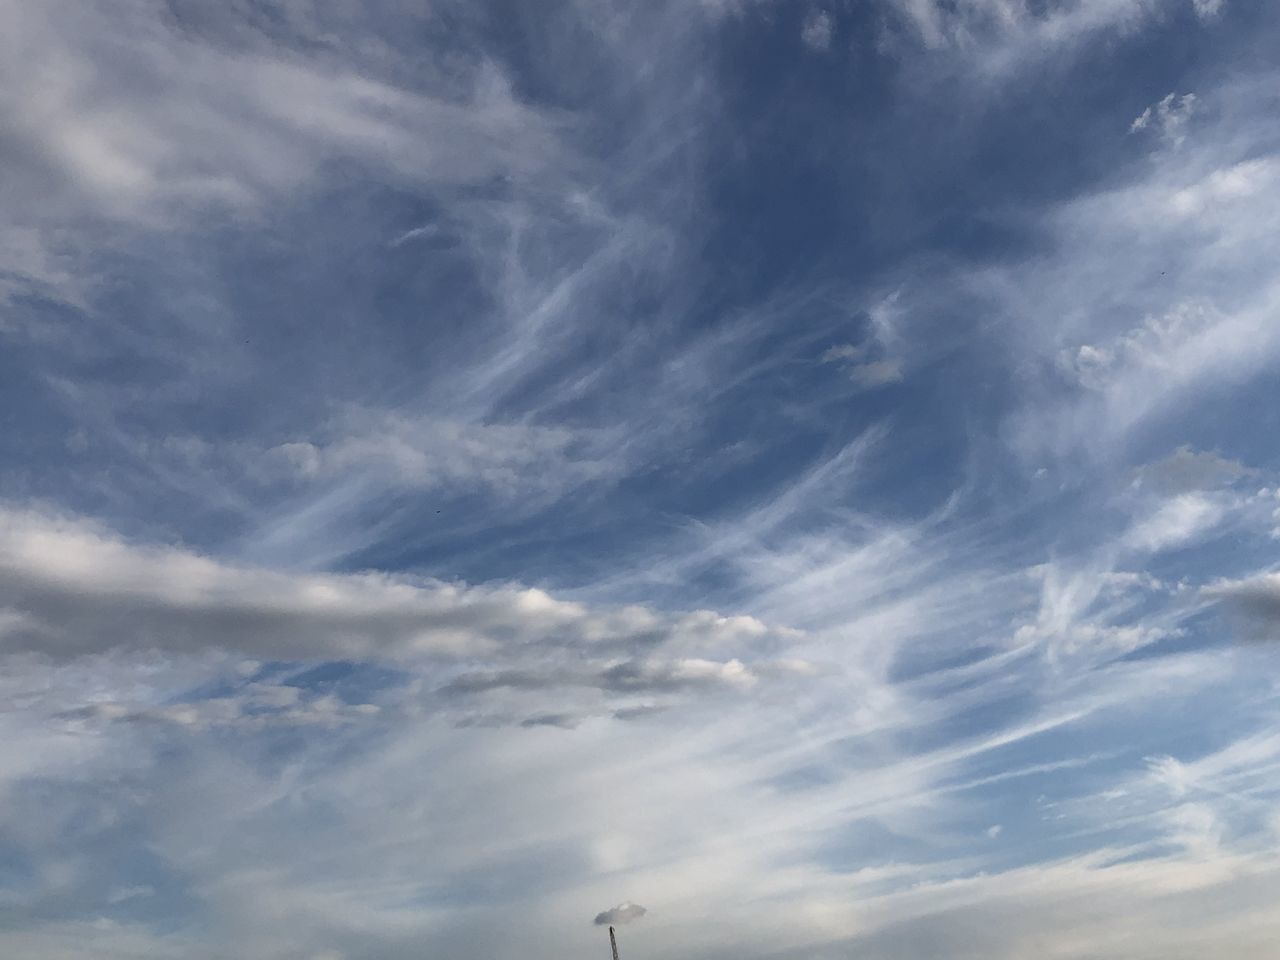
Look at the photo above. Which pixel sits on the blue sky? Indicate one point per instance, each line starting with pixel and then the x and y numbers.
pixel 802 468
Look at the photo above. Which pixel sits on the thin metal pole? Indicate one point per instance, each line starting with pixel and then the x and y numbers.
pixel 613 942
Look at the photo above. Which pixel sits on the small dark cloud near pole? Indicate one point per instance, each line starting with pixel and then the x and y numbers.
pixel 624 912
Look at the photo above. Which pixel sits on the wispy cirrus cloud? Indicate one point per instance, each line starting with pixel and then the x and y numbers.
pixel 779 460
pixel 236 120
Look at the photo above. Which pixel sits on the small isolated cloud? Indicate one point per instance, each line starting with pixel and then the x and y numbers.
pixel 427 232
pixel 878 373
pixel 844 351
pixel 874 357
pixel 817 30
pixel 1186 470
pixel 1169 117
pixel 638 712
pixel 563 721
pixel 867 374
pixel 1208 9
pixel 124 894
pixel 624 912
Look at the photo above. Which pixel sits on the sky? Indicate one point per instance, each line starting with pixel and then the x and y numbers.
pixel 791 479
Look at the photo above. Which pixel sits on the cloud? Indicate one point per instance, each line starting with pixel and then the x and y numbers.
pixel 624 912
pixel 875 360
pixel 1146 324
pixel 676 675
pixel 1175 522
pixel 256 706
pixel 424 453
pixel 1186 470
pixel 1224 187
pixel 1086 611
pixel 843 351
pixel 648 675
pixel 1256 600
pixel 68 587
pixel 1159 343
pixel 995 38
pixel 563 721
pixel 1169 116
pixel 601 370
pixel 501 655
pixel 817 30
pixel 876 374
pixel 1208 9
pixel 235 123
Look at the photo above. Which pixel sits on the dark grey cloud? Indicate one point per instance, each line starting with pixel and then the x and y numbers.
pixel 578 686
pixel 673 675
pixel 648 675
pixel 624 912
pixel 1253 603
pixel 484 681
pixel 253 706
pixel 565 721
pixel 639 712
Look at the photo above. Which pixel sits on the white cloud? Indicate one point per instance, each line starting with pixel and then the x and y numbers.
pixel 1162 343
pixel 1156 286
pixel 1208 9
pixel 699 811
pixel 997 37
pixel 418 452
pixel 488 783
pixel 1168 116
pixel 817 30
pixel 1223 187
pixel 1087 611
pixel 501 655
pixel 132 120
pixel 73 588
pixel 233 124
pixel 1175 522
